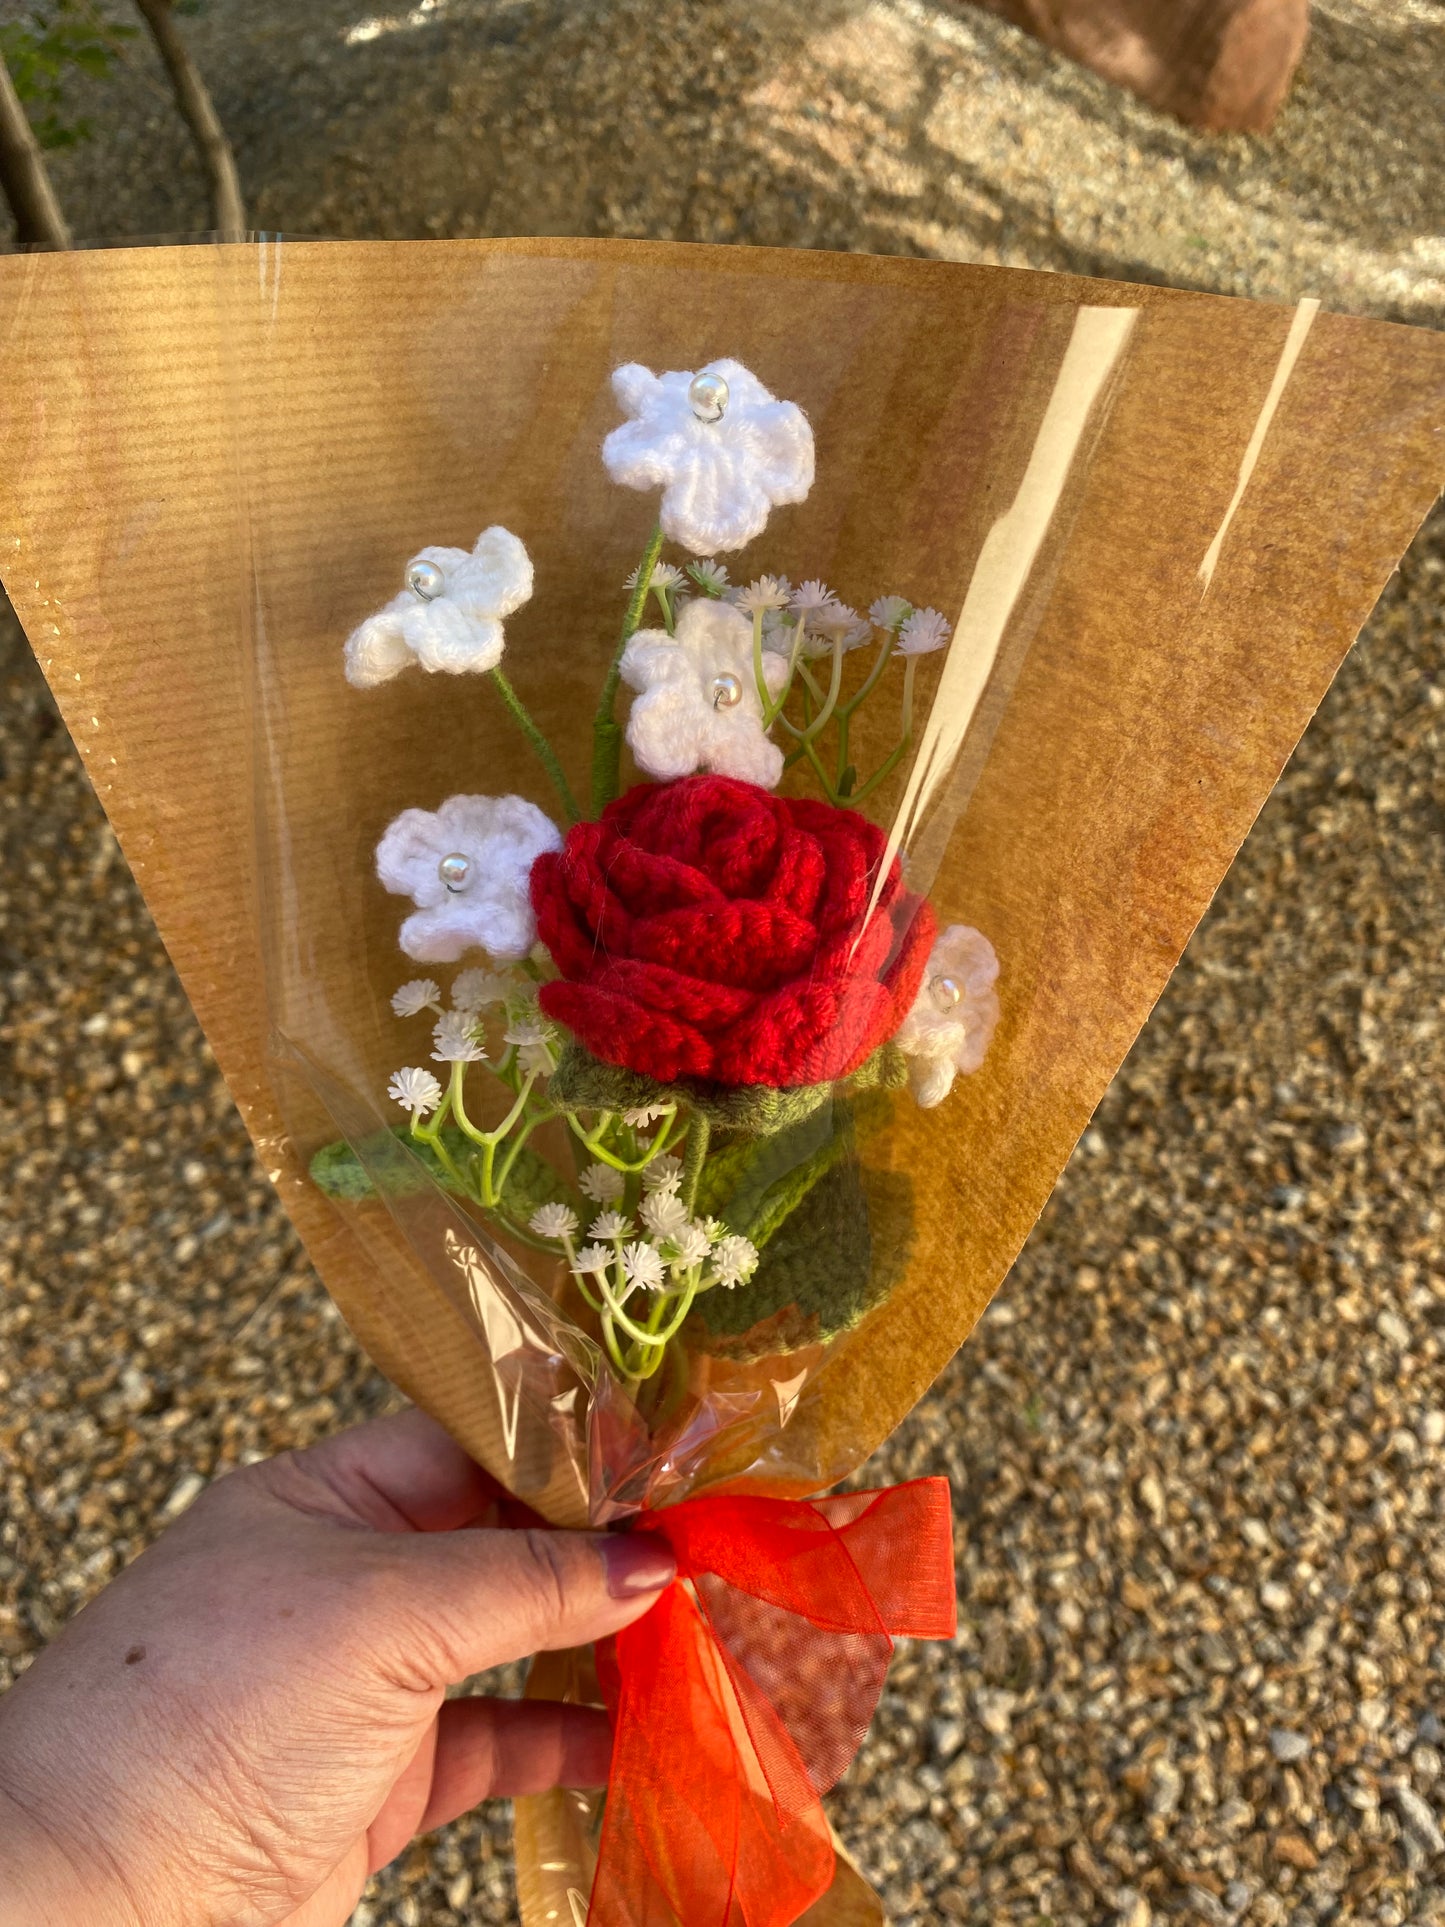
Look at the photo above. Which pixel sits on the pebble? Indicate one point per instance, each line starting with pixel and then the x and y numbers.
pixel 1286 1746
pixel 1184 1511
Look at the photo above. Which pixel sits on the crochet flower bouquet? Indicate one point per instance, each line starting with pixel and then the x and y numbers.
pixel 665 1006
pixel 706 981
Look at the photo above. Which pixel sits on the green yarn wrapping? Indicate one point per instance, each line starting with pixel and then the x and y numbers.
pixel 833 1260
pixel 582 1082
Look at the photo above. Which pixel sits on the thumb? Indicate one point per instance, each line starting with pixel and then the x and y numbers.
pixel 455 1603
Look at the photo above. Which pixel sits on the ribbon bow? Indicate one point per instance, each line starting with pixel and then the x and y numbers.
pixel 742 1696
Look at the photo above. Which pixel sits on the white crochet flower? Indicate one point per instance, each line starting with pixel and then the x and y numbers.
pixel 697 705
pixel 466 866
pixel 954 1014
pixel 719 478
pixel 451 619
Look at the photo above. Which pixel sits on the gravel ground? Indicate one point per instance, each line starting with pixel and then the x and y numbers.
pixel 1198 1444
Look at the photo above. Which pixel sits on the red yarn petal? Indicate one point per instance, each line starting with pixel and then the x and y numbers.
pixel 653 986
pixel 755 945
pixel 622 1032
pixel 708 928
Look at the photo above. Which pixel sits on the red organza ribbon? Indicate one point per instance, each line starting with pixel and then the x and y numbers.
pixel 745 1692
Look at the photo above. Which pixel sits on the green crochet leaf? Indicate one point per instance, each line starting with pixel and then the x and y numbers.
pixel 582 1082
pixel 835 1257
pixel 754 1184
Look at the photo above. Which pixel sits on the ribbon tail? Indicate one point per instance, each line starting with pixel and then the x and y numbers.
pixel 691 1834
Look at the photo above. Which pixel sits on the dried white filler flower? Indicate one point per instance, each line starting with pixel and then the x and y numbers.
pixel 413 998
pixel 453 1039
pixel 643 1266
pixel 553 1221
pixel 923 632
pixel 734 1260
pixel 602 1184
pixel 415 1090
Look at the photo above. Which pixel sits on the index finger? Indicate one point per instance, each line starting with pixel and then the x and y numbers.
pixel 402 1473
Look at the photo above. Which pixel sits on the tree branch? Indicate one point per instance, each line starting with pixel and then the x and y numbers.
pixel 23 177
pixel 228 214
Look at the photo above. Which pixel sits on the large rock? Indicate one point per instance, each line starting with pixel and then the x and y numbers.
pixel 1220 64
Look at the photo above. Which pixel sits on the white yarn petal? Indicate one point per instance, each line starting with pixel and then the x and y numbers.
pixel 633 386
pixel 500 838
pixel 450 640
pixel 931 1079
pixel 377 650
pixel 456 631
pixel 720 479
pixel 954 1014
pixel 498 578
pixel 678 724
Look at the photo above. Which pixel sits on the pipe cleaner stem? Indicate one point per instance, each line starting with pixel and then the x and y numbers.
pixel 606 731
pixel 546 755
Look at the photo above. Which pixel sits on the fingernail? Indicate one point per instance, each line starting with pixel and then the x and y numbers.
pixel 637 1562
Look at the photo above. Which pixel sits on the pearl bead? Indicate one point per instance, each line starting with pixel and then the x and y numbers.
pixel 425 579
pixel 454 871
pixel 727 692
pixel 708 394
pixel 945 992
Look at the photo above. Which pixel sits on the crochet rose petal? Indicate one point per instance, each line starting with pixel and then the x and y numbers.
pixel 708 928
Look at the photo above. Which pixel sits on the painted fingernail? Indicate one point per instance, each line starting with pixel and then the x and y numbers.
pixel 637 1562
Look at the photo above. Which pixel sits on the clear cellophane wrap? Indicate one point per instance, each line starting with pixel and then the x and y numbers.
pixel 1156 521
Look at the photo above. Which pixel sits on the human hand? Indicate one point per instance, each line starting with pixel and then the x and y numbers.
pixel 252 1718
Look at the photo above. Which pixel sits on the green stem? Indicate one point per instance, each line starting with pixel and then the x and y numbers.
pixel 606 732
pixel 699 1131
pixel 653 1333
pixel 606 1156
pixel 847 711
pixel 515 1146
pixel 546 755
pixel 882 774
pixel 830 701
pixel 433 1136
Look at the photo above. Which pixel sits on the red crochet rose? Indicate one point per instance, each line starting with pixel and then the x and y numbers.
pixel 709 929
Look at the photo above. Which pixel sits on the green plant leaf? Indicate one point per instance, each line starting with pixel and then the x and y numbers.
pixel 53 40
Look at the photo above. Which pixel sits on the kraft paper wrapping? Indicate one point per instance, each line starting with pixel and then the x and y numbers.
pixel 1160 518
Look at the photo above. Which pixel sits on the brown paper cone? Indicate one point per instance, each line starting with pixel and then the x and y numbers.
pixel 1139 650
